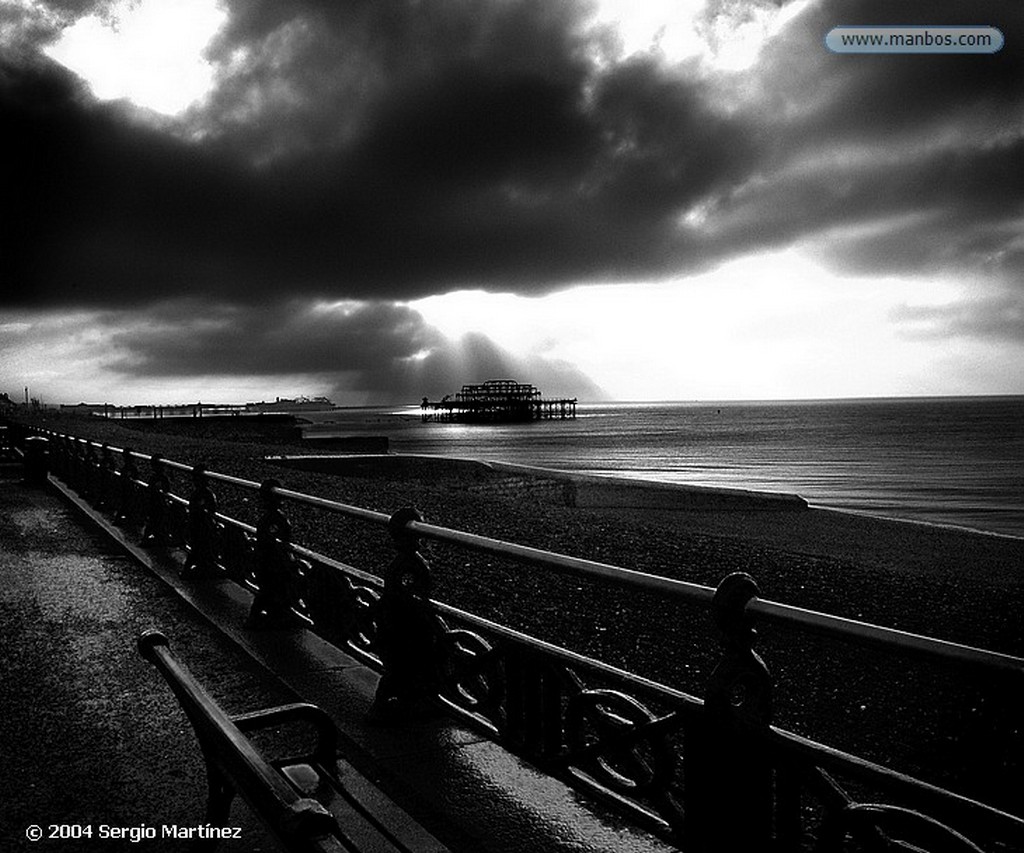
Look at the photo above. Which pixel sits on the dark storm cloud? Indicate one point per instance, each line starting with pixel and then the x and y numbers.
pixel 179 339
pixel 888 163
pixel 382 352
pixel 997 317
pixel 914 212
pixel 367 150
pixel 883 95
pixel 385 151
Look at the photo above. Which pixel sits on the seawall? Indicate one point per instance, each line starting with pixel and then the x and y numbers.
pixel 566 488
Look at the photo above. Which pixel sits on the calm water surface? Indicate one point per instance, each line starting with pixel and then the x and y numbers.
pixel 949 460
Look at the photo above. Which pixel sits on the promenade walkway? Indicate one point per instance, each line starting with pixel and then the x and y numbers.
pixel 91 737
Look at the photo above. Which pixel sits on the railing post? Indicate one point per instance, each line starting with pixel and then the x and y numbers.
pixel 155 532
pixel 106 478
pixel 271 605
pixel 203 545
pixel 37 460
pixel 69 452
pixel 74 466
pixel 127 511
pixel 408 631
pixel 68 447
pixel 59 456
pixel 729 788
pixel 90 473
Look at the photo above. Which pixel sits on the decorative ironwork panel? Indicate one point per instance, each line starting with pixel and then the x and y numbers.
pixel 474 678
pixel 237 555
pixel 696 772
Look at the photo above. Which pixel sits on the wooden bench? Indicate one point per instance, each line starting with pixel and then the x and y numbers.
pixel 302 800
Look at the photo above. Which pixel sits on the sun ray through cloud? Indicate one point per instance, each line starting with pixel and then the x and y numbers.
pixel 568 182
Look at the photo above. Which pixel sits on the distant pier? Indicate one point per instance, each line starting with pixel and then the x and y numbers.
pixel 498 401
pixel 282 405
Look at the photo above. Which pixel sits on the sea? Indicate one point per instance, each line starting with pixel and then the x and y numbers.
pixel 951 461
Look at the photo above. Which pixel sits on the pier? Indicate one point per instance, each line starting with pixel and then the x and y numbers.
pixel 159 411
pixel 498 401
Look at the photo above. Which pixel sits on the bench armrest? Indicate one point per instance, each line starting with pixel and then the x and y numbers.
pixel 301 822
pixel 326 750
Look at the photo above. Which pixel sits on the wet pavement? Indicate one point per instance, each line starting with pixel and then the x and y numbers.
pixel 91 737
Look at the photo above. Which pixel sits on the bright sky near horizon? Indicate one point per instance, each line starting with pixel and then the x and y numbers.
pixel 661 200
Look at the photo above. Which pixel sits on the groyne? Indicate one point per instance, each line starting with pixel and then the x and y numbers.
pixel 565 488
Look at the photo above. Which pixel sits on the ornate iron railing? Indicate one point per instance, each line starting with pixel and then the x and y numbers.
pixel 709 773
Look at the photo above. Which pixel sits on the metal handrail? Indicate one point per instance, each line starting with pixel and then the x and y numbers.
pixel 782 613
pixel 804 763
pixel 777 612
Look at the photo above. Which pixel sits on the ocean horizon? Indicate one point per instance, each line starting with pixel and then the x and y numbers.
pixel 941 460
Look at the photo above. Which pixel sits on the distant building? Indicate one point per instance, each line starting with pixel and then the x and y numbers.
pixel 298 404
pixel 84 408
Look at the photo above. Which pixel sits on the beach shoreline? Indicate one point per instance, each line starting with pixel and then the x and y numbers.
pixel 582 489
pixel 917 716
pixel 530 505
pixel 781 519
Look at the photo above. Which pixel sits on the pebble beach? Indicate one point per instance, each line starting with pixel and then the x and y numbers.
pixel 949 726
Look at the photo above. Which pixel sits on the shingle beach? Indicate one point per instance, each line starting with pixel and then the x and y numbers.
pixel 949 726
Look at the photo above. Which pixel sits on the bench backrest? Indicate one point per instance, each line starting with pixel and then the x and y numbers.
pixel 300 823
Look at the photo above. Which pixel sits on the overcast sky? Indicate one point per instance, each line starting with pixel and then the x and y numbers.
pixel 377 201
